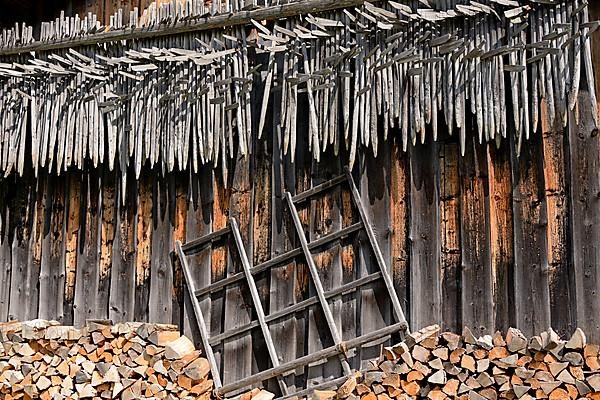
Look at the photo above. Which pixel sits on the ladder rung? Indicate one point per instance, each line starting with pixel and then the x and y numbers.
pixel 342 290
pixel 212 237
pixel 318 189
pixel 280 259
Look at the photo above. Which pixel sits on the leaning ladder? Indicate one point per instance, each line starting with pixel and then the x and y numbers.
pixel 306 248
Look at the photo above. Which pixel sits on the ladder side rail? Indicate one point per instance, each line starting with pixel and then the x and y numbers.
pixel 199 317
pixel 317 281
pixel 256 300
pixel 377 251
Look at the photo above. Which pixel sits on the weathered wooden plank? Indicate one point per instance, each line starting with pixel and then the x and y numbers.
pixel 374 182
pixel 160 271
pixel 218 263
pixel 557 230
pixel 476 274
pixel 532 303
pixel 52 272
pixel 123 271
pixel 501 233
pixel 5 253
pixel 325 218
pixel 178 212
pixel 426 291
pixel 450 230
pixel 107 238
pixel 34 259
pixel 199 223
pixel 237 358
pixel 22 224
pixel 399 222
pixel 148 194
pixel 72 233
pixel 88 271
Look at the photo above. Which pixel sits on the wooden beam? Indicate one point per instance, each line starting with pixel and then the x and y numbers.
pixel 191 25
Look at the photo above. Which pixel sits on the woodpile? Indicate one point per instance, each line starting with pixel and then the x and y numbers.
pixel 433 365
pixel 43 360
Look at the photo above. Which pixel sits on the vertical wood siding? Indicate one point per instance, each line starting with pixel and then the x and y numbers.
pixel 486 240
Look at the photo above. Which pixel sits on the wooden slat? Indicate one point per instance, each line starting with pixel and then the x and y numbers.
pixel 178 211
pixel 73 222
pixel 237 355
pixel 86 279
pixel 426 291
pixel 321 354
pixel 344 289
pixel 450 230
pixel 199 223
pixel 256 301
pixel 501 233
pixel 150 222
pixel 399 222
pixel 107 239
pixel 374 311
pixel 123 274
pixel 52 272
pixel 209 238
pixel 5 255
pixel 557 215
pixel 584 147
pixel 325 219
pixel 159 265
pixel 476 280
pixel 532 303
pixel 333 329
pixel 320 188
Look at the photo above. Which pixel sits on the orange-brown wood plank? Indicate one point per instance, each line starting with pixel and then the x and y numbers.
pixel 450 234
pixel 72 233
pixel 151 191
pixel 179 233
pixel 501 232
pixel 399 220
pixel 107 238
pixel 476 273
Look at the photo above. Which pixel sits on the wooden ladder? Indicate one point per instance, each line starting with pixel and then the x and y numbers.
pixel 306 249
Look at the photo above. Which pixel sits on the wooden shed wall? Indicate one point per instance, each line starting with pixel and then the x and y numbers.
pixel 485 240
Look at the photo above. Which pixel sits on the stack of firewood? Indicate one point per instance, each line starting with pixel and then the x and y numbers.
pixel 434 365
pixel 40 359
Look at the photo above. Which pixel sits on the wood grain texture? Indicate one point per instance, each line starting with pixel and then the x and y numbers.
pixel 450 234
pixel 122 279
pixel 88 250
pixel 557 211
pixel 73 227
pixel 52 272
pixel 399 222
pixel 501 233
pixel 532 301
pixel 477 280
pixel 151 194
pixel 425 249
